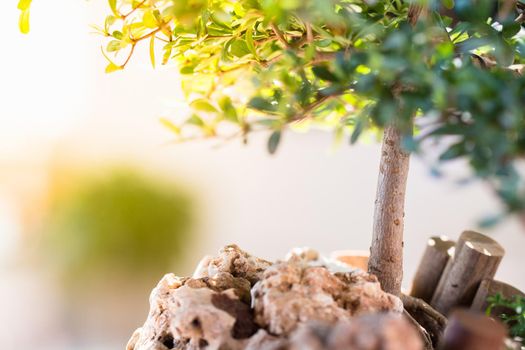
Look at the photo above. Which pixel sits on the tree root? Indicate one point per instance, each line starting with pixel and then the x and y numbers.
pixel 425 337
pixel 426 317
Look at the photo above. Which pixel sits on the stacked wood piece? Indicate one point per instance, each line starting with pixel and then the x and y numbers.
pixel 455 276
pixel 476 257
pixel 438 252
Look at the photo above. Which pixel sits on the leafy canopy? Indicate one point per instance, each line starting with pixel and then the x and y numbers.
pixel 346 65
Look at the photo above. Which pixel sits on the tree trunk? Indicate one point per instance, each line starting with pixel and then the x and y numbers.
pixel 386 251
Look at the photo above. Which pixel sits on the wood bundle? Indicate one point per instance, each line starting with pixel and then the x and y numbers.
pixel 454 277
pixel 450 274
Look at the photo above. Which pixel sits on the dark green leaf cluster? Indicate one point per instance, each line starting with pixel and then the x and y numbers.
pixel 516 319
pixel 352 66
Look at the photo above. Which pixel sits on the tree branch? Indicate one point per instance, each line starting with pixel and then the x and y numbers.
pixel 124 16
pixel 279 35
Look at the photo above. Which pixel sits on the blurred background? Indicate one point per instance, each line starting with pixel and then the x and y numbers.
pixel 97 202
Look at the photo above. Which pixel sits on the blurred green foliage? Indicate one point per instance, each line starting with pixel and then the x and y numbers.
pixel 123 221
pixel 516 318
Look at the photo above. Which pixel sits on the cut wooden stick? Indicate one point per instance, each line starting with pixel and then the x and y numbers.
pixel 467 330
pixel 476 258
pixel 437 253
pixel 489 288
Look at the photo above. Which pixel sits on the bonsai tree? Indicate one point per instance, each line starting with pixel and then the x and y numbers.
pixel 417 71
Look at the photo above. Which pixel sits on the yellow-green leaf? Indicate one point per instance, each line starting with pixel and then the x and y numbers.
pixel 24 4
pixel 196 120
pixel 113 6
pixel 168 124
pixel 112 67
pixel 113 45
pixel 152 50
pixel 23 21
pixel 149 20
pixel 449 4
pixel 228 109
pixel 249 39
pixel 203 105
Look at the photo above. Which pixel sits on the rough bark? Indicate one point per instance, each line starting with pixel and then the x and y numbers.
pixel 386 251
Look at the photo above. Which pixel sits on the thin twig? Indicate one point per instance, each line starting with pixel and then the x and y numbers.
pixel 132 10
pixel 136 40
pixel 129 55
pixel 309 33
pixel 279 35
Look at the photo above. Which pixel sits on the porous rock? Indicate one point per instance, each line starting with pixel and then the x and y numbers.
pixel 380 331
pixel 304 253
pixel 237 301
pixel 294 292
pixel 188 313
pixel 264 341
pixel 235 261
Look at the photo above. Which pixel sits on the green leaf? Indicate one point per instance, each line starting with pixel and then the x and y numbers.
pixel 449 4
pixel 186 70
pixel 249 39
pixel 239 48
pixel 261 104
pixel 228 109
pixel 113 7
pixel 195 120
pixel 273 141
pixel 23 21
pixel 358 129
pixel 113 45
pixel 510 29
pixel 225 57
pixel 454 151
pixel 117 35
pixel 110 20
pixel 152 50
pixel 203 105
pixel 322 72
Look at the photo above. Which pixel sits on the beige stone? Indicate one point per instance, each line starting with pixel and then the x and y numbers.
pixel 294 292
pixel 236 301
pixel 233 260
pixel 190 313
